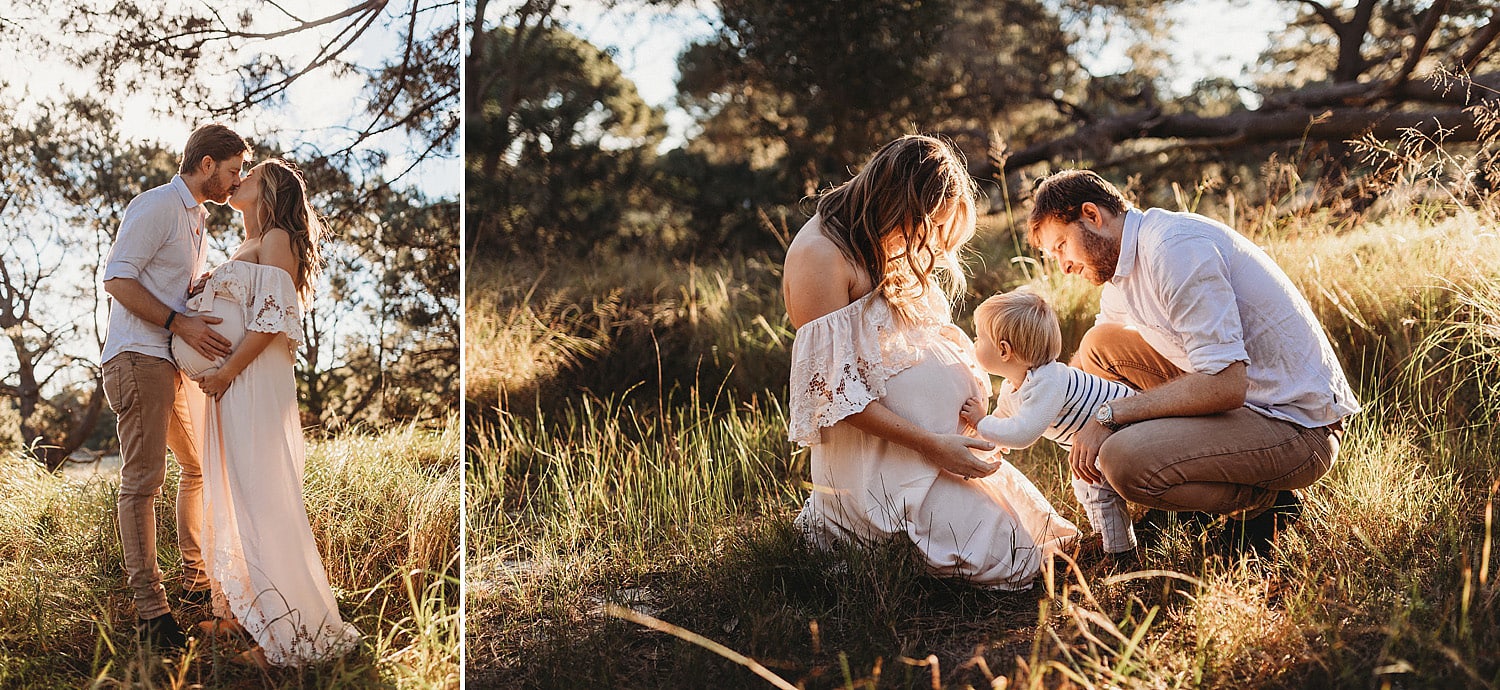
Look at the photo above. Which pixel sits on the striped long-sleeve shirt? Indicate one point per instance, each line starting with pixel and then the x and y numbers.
pixel 1053 402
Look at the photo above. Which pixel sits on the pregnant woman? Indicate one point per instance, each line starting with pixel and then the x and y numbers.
pixel 880 373
pixel 263 561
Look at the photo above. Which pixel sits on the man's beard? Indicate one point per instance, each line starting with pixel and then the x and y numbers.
pixel 216 191
pixel 1100 256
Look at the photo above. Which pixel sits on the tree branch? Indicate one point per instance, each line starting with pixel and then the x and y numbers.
pixel 1071 109
pixel 478 38
pixel 203 36
pixel 1482 40
pixel 1422 38
pixel 411 38
pixel 1327 14
pixel 1362 93
pixel 1351 61
pixel 326 54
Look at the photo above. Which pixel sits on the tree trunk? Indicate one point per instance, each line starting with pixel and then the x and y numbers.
pixel 54 454
pixel 1332 113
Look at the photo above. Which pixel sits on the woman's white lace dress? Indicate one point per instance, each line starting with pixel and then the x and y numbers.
pixel 262 557
pixel 994 532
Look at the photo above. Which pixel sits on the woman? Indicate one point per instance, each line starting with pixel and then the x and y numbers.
pixel 880 373
pixel 263 562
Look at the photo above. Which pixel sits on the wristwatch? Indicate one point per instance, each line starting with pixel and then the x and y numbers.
pixel 1106 418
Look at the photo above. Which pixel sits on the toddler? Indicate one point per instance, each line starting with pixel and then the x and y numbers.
pixel 1017 337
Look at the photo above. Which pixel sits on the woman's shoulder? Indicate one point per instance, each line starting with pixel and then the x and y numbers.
pixel 276 237
pixel 276 250
pixel 817 279
pixel 811 245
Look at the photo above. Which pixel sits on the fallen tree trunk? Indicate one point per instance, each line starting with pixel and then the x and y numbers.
pixel 1245 128
pixel 1336 112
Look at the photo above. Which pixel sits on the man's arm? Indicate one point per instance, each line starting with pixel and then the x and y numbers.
pixel 194 329
pixel 1189 395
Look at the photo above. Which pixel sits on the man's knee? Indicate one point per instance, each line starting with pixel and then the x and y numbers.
pixel 1093 349
pixel 1103 347
pixel 142 489
pixel 1125 464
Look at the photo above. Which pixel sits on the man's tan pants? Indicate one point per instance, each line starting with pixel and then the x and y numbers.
pixel 1229 463
pixel 150 400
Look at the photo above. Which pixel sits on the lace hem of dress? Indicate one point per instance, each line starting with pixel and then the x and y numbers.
pixel 842 362
pixel 285 639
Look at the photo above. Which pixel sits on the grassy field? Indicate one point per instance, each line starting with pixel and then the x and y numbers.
pixel 383 505
pixel 628 453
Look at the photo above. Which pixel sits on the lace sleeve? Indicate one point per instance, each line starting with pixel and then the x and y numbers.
pixel 840 364
pixel 272 305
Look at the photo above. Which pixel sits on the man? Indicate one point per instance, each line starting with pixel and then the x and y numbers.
pixel 159 249
pixel 1243 399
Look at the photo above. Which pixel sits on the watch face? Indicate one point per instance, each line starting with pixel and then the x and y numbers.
pixel 1105 415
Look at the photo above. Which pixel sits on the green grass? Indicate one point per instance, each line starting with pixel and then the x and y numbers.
pixel 674 497
pixel 383 505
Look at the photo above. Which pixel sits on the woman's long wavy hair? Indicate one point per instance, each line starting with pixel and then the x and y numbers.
pixel 883 219
pixel 284 204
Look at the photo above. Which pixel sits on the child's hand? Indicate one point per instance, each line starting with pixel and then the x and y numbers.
pixel 972 412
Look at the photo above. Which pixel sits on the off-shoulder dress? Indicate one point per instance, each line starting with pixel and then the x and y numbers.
pixel 994 531
pixel 262 557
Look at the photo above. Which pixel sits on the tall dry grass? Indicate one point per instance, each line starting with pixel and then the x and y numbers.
pixel 384 507
pixel 541 335
pixel 676 500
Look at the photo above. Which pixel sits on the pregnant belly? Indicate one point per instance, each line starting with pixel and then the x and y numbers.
pixel 931 392
pixel 232 328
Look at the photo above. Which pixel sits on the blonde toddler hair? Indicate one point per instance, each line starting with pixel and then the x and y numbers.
pixel 1024 320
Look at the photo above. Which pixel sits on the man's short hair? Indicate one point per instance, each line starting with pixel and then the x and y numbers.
pixel 1024 320
pixel 213 140
pixel 1061 197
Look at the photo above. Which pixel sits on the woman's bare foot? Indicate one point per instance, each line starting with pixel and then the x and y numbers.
pixel 222 627
pixel 254 656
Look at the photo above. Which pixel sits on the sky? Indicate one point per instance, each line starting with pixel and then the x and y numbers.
pixel 317 112
pixel 310 118
pixel 1212 38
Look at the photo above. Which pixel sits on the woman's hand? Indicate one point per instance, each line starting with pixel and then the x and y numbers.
pixel 952 452
pixel 215 383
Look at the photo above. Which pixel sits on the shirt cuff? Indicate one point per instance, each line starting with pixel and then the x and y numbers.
pixel 1212 359
pixel 120 269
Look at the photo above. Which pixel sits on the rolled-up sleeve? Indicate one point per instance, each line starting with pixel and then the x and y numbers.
pixel 142 233
pixel 1195 288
